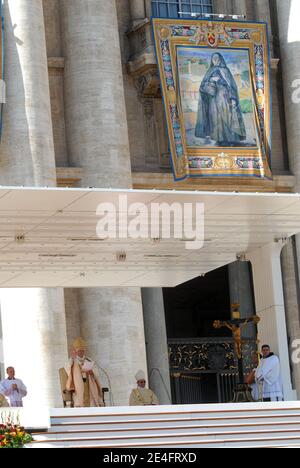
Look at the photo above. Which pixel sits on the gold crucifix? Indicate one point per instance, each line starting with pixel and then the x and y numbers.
pixel 235 325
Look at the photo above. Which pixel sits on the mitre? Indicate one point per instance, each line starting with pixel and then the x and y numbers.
pixel 140 375
pixel 79 343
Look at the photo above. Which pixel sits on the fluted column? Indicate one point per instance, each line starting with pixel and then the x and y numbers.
pixel 33 320
pixel 111 319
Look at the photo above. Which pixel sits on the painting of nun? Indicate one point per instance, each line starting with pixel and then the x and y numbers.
pixel 217 98
pixel 219 112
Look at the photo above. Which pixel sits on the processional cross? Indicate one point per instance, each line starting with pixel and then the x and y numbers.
pixel 235 326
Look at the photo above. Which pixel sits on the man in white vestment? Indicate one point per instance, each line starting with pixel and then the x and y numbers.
pixel 268 376
pixel 83 378
pixel 14 389
pixel 142 396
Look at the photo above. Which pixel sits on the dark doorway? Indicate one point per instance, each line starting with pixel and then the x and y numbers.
pixel 202 359
pixel 191 308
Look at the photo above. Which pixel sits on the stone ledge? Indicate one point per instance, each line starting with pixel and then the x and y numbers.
pixel 147 59
pixel 56 62
pixel 138 24
pixel 280 183
pixel 141 64
pixel 68 176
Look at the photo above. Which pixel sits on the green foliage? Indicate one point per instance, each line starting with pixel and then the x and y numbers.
pixel 246 106
pixel 245 76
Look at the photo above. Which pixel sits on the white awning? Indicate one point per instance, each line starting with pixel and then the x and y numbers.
pixel 48 237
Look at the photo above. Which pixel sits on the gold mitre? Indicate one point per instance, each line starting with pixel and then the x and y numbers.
pixel 79 343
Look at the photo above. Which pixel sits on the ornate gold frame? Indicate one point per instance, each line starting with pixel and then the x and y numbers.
pixel 223 161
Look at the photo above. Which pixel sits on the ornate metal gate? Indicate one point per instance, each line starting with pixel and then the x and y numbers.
pixel 205 370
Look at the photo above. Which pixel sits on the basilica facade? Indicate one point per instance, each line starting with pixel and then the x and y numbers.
pixel 84 109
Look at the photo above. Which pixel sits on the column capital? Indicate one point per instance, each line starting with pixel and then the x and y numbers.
pixel 272 250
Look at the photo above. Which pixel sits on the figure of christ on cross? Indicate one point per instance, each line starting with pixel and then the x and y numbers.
pixel 235 326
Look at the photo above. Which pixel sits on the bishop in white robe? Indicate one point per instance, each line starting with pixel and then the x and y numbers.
pixel 142 396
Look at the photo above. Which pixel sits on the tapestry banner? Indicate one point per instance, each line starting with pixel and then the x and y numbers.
pixel 2 83
pixel 215 79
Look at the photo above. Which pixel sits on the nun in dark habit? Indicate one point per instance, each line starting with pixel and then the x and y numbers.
pixel 219 112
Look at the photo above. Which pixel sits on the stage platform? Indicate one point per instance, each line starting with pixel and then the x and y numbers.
pixel 188 426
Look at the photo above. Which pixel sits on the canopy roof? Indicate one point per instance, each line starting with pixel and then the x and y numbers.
pixel 48 237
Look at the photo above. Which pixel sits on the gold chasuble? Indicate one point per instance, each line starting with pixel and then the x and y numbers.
pixel 87 390
pixel 143 397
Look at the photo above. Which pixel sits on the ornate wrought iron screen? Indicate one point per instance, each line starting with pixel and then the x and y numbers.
pixel 205 370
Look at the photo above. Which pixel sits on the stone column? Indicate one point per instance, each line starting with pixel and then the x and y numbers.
pixel 52 15
pixel 289 37
pixel 269 299
pixel 148 8
pixel 112 325
pixel 239 7
pixel 35 342
pixel 262 13
pixel 241 293
pixel 222 7
pixel 96 121
pixel 156 344
pixel 262 10
pixel 26 150
pixel 291 298
pixel 137 9
pixel 33 320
